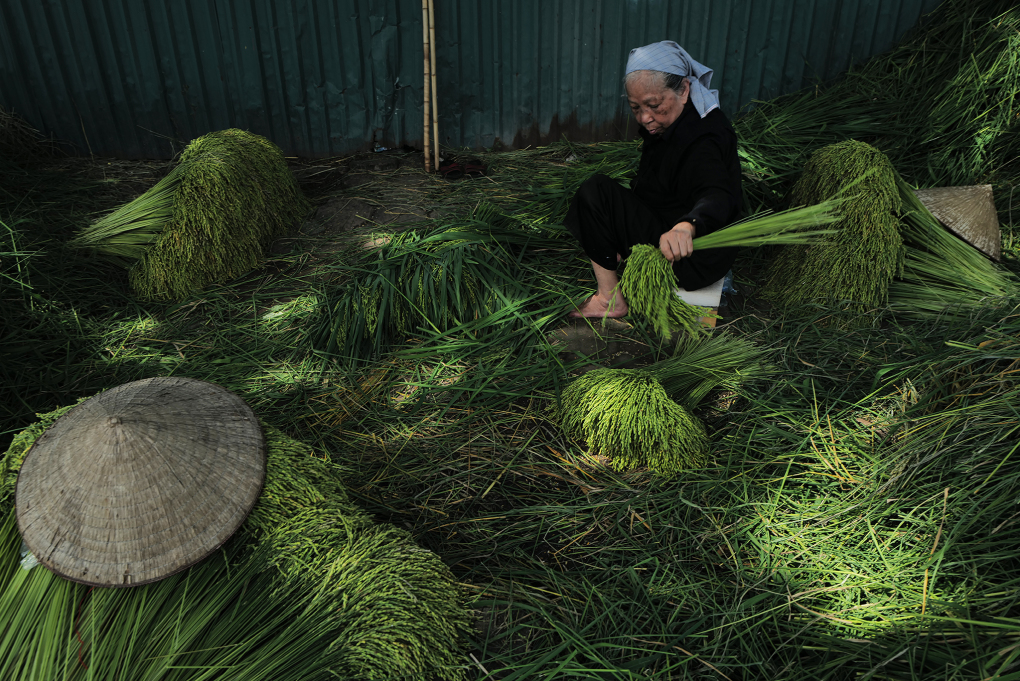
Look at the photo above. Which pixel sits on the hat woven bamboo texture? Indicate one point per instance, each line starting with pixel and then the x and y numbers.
pixel 969 212
pixel 140 481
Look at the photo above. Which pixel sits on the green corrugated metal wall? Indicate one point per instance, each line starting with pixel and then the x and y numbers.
pixel 134 79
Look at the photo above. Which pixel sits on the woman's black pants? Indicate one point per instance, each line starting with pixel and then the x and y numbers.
pixel 608 219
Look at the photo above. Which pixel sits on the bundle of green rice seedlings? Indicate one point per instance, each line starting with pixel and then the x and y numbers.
pixel 859 263
pixel 648 284
pixel 641 417
pixel 232 616
pixel 126 234
pixel 310 587
pixel 626 415
pixel 421 283
pixel 208 221
pixel 403 613
pixel 943 274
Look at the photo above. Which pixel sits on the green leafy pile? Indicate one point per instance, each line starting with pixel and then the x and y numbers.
pixel 553 189
pixel 628 416
pixel 941 105
pixel 208 221
pixel 462 274
pixel 860 262
pixel 310 588
pixel 417 281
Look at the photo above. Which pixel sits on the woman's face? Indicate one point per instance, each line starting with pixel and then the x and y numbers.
pixel 655 106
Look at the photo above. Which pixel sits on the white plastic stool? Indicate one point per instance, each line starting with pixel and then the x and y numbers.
pixel 709 297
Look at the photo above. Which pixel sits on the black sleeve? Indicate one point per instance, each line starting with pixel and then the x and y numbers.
pixel 714 190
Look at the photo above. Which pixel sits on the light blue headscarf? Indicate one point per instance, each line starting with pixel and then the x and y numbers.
pixel 669 57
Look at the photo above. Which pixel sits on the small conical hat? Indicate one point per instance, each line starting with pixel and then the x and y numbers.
pixel 140 481
pixel 968 212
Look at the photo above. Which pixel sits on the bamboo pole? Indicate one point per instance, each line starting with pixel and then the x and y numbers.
pixel 429 79
pixel 435 97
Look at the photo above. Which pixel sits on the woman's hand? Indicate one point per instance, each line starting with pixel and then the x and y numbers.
pixel 678 242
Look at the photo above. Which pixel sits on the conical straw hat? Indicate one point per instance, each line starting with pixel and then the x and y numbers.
pixel 140 481
pixel 968 212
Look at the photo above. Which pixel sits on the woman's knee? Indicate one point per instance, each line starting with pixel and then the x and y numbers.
pixel 596 189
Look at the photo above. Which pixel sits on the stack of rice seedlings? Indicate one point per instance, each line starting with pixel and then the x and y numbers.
pixel 233 616
pixel 858 264
pixel 964 64
pixel 309 588
pixel 642 417
pixel 943 274
pixel 648 283
pixel 418 284
pixel 209 220
pixel 402 613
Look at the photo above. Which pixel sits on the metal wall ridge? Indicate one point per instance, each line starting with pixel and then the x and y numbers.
pixel 132 79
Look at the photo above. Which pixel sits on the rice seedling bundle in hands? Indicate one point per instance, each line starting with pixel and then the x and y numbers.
pixel 312 588
pixel 862 258
pixel 209 220
pixel 648 286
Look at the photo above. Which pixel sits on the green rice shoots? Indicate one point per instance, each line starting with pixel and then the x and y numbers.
pixel 626 415
pixel 210 220
pixel 422 282
pixel 859 264
pixel 648 285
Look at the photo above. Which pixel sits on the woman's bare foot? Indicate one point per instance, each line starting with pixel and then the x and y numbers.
pixel 599 307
